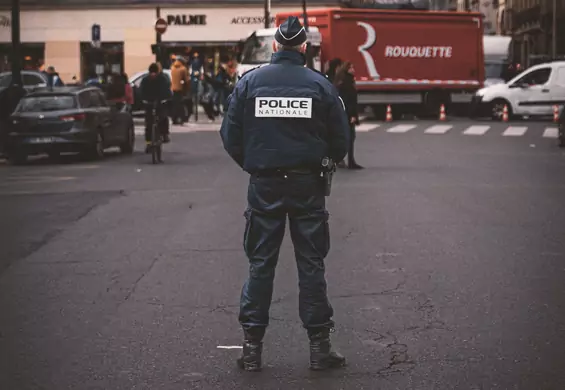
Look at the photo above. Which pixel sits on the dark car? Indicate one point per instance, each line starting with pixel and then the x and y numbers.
pixel 67 119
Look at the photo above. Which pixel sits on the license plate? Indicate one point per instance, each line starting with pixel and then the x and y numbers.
pixel 41 140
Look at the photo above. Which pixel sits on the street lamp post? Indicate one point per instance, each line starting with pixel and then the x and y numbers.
pixel 267 13
pixel 309 59
pixel 16 44
pixel 554 28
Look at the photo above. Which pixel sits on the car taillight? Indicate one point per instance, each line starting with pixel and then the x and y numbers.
pixel 72 118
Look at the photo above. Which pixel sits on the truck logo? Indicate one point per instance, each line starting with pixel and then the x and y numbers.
pixel 371 39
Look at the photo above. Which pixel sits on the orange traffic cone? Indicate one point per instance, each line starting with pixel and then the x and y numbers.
pixel 388 114
pixel 505 113
pixel 555 114
pixel 442 113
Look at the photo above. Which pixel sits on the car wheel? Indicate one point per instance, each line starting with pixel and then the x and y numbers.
pixel 129 144
pixel 17 158
pixel 497 109
pixel 96 150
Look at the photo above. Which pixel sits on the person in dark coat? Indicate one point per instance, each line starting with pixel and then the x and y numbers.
pixel 282 121
pixel 332 68
pixel 156 87
pixel 345 83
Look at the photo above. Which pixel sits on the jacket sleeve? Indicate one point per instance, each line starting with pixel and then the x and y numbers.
pixel 339 130
pixel 231 130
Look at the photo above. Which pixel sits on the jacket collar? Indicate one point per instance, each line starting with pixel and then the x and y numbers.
pixel 287 56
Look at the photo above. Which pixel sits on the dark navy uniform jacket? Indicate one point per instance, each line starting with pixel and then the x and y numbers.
pixel 284 115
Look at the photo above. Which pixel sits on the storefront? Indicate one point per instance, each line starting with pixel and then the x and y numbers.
pixel 213 33
pixel 62 38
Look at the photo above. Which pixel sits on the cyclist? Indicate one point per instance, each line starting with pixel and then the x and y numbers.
pixel 156 87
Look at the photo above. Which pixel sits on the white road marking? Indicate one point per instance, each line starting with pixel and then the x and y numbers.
pixel 230 347
pixel 476 130
pixel 550 132
pixel 438 129
pixel 515 131
pixel 400 128
pixel 366 127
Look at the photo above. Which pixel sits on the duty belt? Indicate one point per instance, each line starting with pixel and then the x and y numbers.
pixel 286 172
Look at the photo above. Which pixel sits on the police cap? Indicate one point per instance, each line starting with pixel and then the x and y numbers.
pixel 291 32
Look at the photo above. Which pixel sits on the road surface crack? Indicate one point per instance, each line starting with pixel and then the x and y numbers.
pixel 136 283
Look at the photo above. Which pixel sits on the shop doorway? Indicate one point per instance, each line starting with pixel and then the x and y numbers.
pixel 103 61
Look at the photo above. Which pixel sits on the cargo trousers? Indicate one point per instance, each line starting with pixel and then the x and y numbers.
pixel 271 199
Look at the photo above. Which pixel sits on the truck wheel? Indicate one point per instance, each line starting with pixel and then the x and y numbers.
pixel 497 108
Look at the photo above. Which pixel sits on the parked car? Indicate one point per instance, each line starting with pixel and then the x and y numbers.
pixel 31 79
pixel 67 119
pixel 135 82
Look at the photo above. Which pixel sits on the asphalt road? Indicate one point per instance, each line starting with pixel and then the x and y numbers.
pixel 446 269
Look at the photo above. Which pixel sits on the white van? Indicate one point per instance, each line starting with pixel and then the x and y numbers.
pixel 533 92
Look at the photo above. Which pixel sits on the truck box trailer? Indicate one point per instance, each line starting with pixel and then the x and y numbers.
pixel 404 58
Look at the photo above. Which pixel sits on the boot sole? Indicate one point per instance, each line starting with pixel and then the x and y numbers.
pixel 249 367
pixel 326 367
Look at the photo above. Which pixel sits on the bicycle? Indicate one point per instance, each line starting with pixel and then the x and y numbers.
pixel 156 134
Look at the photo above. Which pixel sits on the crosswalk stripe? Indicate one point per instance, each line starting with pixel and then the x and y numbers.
pixel 550 132
pixel 515 131
pixel 366 127
pixel 438 129
pixel 400 128
pixel 476 130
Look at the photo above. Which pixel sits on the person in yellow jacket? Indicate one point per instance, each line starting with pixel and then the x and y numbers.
pixel 180 82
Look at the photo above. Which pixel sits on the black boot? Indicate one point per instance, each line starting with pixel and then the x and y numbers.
pixel 322 357
pixel 250 359
pixel 351 163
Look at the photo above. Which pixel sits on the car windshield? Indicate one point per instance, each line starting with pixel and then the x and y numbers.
pixel 46 103
pixel 5 80
pixel 257 50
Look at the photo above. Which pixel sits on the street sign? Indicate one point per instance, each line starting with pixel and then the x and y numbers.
pixel 95 36
pixel 161 26
pixel 95 33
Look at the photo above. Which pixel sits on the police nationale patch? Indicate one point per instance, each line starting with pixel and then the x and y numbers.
pixel 272 107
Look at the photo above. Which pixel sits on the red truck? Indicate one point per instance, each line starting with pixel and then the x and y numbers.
pixel 404 58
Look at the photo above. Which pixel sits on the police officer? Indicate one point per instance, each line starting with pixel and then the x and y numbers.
pixel 282 120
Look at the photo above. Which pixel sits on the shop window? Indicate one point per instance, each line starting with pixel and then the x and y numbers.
pixel 32 56
pixel 103 61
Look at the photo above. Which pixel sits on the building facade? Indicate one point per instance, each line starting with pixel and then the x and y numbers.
pixel 531 24
pixel 61 36
pixel 489 10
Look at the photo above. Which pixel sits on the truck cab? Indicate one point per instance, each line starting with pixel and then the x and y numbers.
pixel 258 48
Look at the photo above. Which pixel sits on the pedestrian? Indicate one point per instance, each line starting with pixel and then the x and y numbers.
pixel 207 93
pixel 345 83
pixel 332 68
pixel 180 82
pixel 53 78
pixel 282 121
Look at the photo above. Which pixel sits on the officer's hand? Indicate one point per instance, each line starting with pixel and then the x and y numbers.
pixel 353 120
